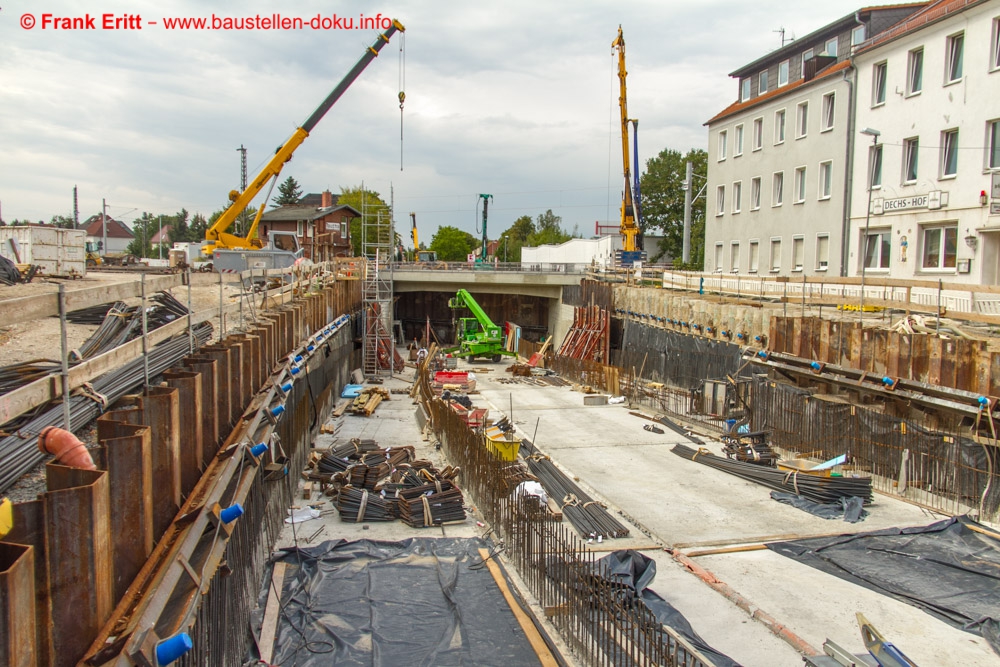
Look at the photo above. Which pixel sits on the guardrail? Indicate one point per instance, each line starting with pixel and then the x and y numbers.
pixel 496 267
pixel 974 302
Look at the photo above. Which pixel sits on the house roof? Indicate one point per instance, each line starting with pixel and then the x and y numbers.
pixel 116 228
pixel 302 212
pixel 736 107
pixel 161 236
pixel 836 26
pixel 932 13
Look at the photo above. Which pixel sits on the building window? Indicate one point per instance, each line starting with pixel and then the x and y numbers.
pixel 300 228
pixel 718 257
pixel 762 88
pixel 745 89
pixel 720 200
pixel 783 73
pixel 755 193
pixel 995 48
pixel 754 256
pixel 343 230
pixel 877 245
pixel 911 148
pixel 775 255
pixel 953 65
pixel 800 185
pixel 857 35
pixel 829 107
pixel 758 133
pixel 822 252
pixel 940 247
pixel 825 180
pixel 878 83
pixel 798 245
pixel 806 55
pixel 993 144
pixel 723 137
pixel 830 48
pixel 737 196
pixel 777 188
pixel 949 153
pixel 738 141
pixel 801 120
pixel 915 71
pixel 734 257
pixel 875 166
pixel 779 127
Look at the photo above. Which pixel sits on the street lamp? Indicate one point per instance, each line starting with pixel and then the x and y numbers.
pixel 874 134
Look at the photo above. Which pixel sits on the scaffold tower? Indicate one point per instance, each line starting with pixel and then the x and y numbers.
pixel 377 246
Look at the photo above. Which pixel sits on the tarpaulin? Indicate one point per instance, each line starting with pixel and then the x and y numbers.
pixel 946 568
pixel 849 509
pixel 414 602
pixel 634 572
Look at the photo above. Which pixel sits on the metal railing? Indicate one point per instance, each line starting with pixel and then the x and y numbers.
pixel 498 267
pixel 602 622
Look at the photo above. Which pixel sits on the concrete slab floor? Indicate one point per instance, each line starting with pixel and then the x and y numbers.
pixel 673 501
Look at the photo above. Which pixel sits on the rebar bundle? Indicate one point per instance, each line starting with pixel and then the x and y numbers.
pixel 431 505
pixel 339 458
pixel 359 505
pixel 750 448
pixel 18 453
pixel 588 516
pixel 812 487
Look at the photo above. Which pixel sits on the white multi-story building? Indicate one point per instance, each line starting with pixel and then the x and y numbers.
pixel 779 157
pixel 929 91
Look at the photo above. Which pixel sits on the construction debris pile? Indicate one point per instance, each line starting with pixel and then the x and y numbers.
pixel 371 483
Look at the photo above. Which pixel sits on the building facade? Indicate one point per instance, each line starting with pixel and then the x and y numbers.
pixel 323 227
pixel 779 158
pixel 118 236
pixel 930 89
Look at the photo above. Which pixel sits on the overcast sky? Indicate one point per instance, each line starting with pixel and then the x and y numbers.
pixel 517 99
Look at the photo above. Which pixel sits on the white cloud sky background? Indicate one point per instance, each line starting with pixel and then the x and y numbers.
pixel 518 99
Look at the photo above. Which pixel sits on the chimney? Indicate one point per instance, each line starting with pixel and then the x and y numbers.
pixel 327 199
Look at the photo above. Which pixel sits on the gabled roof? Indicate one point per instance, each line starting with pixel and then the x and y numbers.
pixel 301 212
pixel 161 236
pixel 932 13
pixel 116 229
pixel 736 107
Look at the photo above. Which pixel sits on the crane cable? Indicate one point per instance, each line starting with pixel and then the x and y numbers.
pixel 402 94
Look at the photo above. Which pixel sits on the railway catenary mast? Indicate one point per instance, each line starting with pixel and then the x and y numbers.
pixel 630 230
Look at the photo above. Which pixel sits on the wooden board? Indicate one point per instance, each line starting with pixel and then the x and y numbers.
pixel 271 612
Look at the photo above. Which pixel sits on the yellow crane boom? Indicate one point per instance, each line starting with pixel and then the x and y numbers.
pixel 216 235
pixel 629 229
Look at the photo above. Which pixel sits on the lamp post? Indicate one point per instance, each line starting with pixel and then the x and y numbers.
pixel 874 134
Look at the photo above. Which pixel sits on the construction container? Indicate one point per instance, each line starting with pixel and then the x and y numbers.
pixel 500 445
pixel 55 251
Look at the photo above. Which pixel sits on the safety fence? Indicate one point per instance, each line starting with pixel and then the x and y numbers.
pixel 169 536
pixel 602 621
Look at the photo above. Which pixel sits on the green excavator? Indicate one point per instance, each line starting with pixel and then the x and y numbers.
pixel 477 336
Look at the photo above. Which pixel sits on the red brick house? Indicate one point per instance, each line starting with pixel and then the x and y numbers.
pixel 119 235
pixel 322 226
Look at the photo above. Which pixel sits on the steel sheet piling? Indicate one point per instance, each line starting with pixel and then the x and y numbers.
pixel 190 455
pixel 208 369
pixel 17 606
pixel 160 412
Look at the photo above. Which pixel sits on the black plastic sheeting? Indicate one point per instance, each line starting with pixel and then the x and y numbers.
pixel 634 572
pixel 849 509
pixel 945 568
pixel 674 358
pixel 414 602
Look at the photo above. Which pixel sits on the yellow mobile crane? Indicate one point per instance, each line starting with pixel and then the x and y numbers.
pixel 630 229
pixel 232 252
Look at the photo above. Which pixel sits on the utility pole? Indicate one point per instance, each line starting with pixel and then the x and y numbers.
pixel 688 184
pixel 104 225
pixel 159 246
pixel 243 186
pixel 76 211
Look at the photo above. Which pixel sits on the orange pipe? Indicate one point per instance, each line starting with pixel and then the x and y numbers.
pixel 66 447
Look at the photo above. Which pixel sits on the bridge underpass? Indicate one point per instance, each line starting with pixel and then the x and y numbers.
pixel 531 300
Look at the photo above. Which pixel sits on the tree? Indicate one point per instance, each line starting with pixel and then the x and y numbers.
pixel 663 204
pixel 548 229
pixel 452 244
pixel 199 225
pixel 374 209
pixel 289 193
pixel 512 240
pixel 179 229
pixel 145 229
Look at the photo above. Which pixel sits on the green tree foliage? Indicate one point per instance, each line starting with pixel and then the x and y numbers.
pixel 199 225
pixel 374 208
pixel 179 228
pixel 548 229
pixel 514 238
pixel 663 204
pixel 289 193
pixel 452 244
pixel 62 221
pixel 144 228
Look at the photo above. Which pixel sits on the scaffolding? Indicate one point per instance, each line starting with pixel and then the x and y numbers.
pixel 377 247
